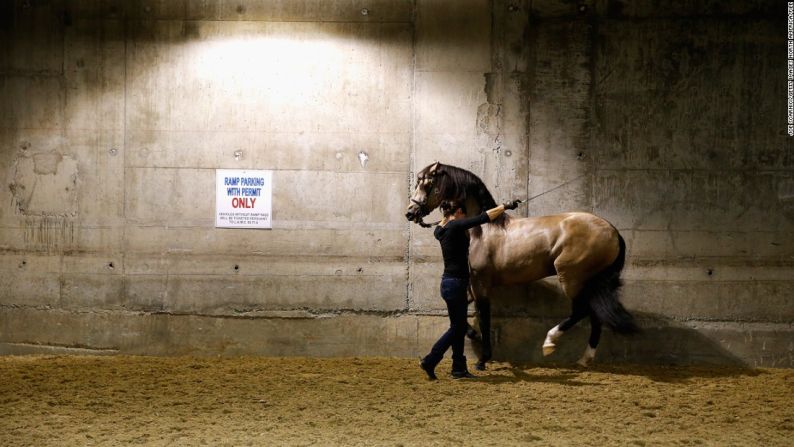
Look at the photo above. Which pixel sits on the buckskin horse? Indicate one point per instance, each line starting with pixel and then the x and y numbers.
pixel 585 252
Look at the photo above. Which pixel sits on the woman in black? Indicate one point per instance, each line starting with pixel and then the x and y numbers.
pixel 451 234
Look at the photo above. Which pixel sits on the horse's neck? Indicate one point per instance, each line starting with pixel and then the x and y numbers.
pixel 474 208
pixel 482 231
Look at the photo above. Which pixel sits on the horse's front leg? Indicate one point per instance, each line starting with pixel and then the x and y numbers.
pixel 472 333
pixel 483 306
pixel 480 286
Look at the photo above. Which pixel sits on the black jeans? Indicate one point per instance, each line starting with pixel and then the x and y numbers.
pixel 453 291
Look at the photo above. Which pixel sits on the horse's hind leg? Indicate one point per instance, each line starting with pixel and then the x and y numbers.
pixel 579 309
pixel 592 343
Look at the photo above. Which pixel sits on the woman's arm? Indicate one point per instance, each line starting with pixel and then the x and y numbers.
pixel 469 222
pixel 493 213
pixel 485 217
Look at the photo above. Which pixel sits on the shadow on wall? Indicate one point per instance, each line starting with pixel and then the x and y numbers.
pixel 523 315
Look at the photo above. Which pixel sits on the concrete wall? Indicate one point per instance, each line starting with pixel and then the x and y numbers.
pixel 666 119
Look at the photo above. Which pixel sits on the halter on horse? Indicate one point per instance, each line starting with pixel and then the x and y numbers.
pixel 585 252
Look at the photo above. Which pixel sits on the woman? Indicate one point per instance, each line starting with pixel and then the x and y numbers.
pixel 451 234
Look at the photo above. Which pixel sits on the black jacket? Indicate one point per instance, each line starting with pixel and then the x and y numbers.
pixel 455 244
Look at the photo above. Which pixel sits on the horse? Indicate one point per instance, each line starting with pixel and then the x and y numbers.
pixel 586 252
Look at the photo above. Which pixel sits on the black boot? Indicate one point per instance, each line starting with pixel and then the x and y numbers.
pixel 428 369
pixel 459 369
pixel 464 374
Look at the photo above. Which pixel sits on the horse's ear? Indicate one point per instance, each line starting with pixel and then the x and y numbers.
pixel 434 168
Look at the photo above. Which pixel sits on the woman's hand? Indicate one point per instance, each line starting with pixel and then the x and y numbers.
pixel 493 213
pixel 512 204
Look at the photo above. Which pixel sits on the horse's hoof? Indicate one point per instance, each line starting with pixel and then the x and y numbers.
pixel 548 349
pixel 587 358
pixel 473 335
pixel 480 366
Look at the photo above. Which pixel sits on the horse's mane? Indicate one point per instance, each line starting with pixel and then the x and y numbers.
pixel 458 184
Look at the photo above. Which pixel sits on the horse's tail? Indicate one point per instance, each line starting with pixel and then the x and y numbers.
pixel 602 292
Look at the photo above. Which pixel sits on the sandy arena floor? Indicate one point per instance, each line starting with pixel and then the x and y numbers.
pixel 298 401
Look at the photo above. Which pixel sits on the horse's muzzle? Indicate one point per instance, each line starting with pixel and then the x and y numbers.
pixel 414 213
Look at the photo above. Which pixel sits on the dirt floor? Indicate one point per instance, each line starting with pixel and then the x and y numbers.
pixel 298 401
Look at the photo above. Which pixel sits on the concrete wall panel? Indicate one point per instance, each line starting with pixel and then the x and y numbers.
pixel 693 200
pixel 32 102
pixel 235 71
pixel 38 36
pixel 304 10
pixel 740 245
pixel 686 76
pixel 453 36
pixel 29 280
pixel 286 242
pixel 672 8
pixel 701 300
pixel 166 196
pixel 560 159
pixel 338 151
pixel 94 72
pixel 447 102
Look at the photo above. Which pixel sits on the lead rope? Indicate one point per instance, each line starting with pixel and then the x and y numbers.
pixel 428 225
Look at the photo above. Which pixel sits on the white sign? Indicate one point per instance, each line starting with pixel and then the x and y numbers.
pixel 243 199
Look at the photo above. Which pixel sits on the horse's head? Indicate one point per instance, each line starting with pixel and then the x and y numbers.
pixel 427 195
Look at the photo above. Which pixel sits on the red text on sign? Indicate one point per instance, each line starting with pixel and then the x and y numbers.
pixel 243 202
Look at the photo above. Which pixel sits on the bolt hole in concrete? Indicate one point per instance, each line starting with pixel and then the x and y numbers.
pixel 364 12
pixel 710 272
pixel 111 266
pixel 236 267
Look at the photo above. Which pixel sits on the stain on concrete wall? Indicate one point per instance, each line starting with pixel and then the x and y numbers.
pixel 45 184
pixel 44 195
pixel 113 117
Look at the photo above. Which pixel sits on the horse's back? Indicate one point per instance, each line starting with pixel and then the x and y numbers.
pixel 531 248
pixel 519 251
